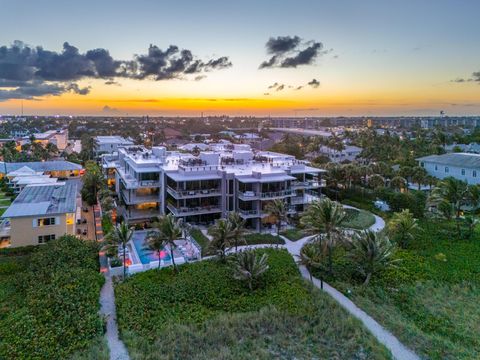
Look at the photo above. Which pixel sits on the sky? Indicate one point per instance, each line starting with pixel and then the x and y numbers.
pixel 260 58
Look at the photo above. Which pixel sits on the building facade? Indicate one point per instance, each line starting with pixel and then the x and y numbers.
pixel 41 213
pixel 461 166
pixel 203 188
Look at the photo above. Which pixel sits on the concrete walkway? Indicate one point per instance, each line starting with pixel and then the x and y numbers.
pixel 397 349
pixel 117 348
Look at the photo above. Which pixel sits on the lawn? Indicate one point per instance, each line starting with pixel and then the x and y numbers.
pixel 201 239
pixel 203 313
pixel 49 302
pixel 294 234
pixel 258 239
pixel 358 219
pixel 430 301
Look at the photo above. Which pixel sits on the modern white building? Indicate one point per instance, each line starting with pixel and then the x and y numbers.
pixel 56 137
pixel 461 166
pixel 206 187
pixel 110 144
pixel 349 153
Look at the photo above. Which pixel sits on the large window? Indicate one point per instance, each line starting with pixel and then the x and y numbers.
pixel 42 239
pixel 46 221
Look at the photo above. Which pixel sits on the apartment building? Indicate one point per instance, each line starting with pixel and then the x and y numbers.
pixel 348 153
pixel 40 213
pixel 57 137
pixel 208 186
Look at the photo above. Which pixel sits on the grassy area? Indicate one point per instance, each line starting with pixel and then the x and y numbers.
pixel 49 302
pixel 202 313
pixel 294 234
pixel 201 239
pixel 257 239
pixel 358 219
pixel 430 301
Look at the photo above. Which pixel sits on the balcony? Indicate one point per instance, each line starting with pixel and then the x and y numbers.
pixel 310 184
pixel 196 210
pixel 248 195
pixel 248 214
pixel 137 214
pixel 189 194
pixel 132 199
pixel 276 194
pixel 132 183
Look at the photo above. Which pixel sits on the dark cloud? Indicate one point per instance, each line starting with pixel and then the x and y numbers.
pixel 475 78
pixel 277 86
pixel 27 72
pixel 282 44
pixel 314 83
pixel 280 87
pixel 274 85
pixel 110 110
pixel 299 87
pixel 290 52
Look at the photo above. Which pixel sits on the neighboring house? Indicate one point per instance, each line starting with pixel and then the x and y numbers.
pixel 41 213
pixel 466 148
pixel 54 168
pixel 461 166
pixel 349 153
pixel 56 137
pixel 203 188
pixel 110 144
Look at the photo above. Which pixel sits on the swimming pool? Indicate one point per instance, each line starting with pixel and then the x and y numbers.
pixel 146 255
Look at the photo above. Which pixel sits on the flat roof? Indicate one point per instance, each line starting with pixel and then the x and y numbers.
pixel 466 160
pixel 113 139
pixel 38 200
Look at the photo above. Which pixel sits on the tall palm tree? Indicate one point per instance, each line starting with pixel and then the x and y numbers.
pixel 277 209
pixel 323 219
pixel 221 233
pixel 376 181
pixel 372 252
pixel 237 225
pixel 402 227
pixel 118 238
pixel 419 175
pixel 248 266
pixel 156 241
pixel 170 229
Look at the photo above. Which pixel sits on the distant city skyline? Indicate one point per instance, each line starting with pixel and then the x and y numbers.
pixel 295 58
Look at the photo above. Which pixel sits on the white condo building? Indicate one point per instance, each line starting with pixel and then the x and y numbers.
pixel 206 187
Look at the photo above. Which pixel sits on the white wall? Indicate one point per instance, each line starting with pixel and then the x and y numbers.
pixel 438 170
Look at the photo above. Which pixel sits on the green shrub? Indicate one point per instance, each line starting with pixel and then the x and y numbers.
pixel 58 311
pixel 257 239
pixel 293 234
pixel 18 251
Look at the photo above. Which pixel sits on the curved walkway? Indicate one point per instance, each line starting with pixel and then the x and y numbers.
pixel 397 349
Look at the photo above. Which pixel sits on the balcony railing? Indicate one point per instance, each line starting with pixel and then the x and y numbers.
pixel 250 213
pixel 137 214
pixel 248 195
pixel 276 194
pixel 185 194
pixel 312 184
pixel 194 210
pixel 139 199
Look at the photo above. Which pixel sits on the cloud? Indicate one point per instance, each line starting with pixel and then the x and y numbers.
pixel 475 78
pixel 277 86
pixel 314 83
pixel 291 51
pixel 110 110
pixel 27 72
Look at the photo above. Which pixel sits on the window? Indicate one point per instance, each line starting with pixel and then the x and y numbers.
pixel 42 239
pixel 474 173
pixel 422 164
pixel 436 168
pixel 46 221
pixel 447 169
pixel 463 171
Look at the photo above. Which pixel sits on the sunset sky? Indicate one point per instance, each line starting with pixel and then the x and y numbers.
pixel 326 58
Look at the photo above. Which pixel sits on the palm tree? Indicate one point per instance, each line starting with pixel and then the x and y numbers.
pixel 248 266
pixel 398 183
pixel 156 242
pixel 323 219
pixel 376 181
pixel 311 257
pixel 221 233
pixel 170 229
pixel 419 175
pixel 277 209
pixel 119 238
pixel 237 225
pixel 403 227
pixel 372 252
